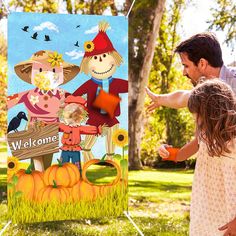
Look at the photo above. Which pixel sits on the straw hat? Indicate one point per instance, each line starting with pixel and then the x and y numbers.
pixel 23 69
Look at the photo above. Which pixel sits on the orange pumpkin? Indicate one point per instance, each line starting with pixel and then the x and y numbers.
pixel 54 193
pixel 84 191
pixel 29 182
pixel 66 174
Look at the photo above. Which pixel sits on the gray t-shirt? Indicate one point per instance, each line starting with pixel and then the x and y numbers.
pixel 228 75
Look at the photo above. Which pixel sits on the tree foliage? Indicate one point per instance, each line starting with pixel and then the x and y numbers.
pixel 96 7
pixel 3 84
pixel 49 6
pixel 224 18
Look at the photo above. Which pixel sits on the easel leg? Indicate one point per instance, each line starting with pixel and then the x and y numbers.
pixel 5 227
pixel 133 223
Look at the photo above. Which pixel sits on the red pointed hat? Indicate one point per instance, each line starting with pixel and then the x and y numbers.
pixel 100 44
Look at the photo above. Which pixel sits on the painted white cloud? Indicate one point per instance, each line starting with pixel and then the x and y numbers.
pixel 74 54
pixel 46 25
pixel 94 30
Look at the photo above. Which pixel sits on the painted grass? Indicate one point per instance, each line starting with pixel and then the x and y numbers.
pixel 158 203
pixel 23 211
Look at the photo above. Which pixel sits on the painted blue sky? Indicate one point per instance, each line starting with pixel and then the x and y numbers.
pixel 63 32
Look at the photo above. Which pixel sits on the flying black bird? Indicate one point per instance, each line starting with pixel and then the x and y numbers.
pixel 15 122
pixel 47 38
pixel 34 36
pixel 77 44
pixel 77 26
pixel 25 28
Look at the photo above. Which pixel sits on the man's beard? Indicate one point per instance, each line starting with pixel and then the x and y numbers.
pixel 193 82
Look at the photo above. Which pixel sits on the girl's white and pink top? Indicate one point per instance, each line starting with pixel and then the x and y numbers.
pixel 213 202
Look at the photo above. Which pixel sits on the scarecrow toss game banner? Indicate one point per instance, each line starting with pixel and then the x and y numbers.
pixel 67 116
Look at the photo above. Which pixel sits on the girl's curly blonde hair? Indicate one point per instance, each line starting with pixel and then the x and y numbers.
pixel 214 104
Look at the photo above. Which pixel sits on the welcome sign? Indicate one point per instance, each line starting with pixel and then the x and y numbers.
pixel 34 142
pixel 67 116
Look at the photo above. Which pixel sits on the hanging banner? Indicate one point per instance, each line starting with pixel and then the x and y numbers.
pixel 67 116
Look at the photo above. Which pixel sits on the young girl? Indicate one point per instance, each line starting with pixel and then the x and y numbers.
pixel 213 203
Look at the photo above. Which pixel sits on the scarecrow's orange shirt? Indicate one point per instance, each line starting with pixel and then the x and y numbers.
pixel 71 138
pixel 41 106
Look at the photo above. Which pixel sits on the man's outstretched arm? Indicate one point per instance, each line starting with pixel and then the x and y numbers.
pixel 178 99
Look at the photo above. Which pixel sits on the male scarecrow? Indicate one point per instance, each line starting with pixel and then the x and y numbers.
pixel 103 103
pixel 46 70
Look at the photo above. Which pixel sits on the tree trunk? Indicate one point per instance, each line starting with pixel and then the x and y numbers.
pixel 138 81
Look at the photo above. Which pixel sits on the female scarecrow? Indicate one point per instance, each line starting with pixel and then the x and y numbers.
pixel 46 70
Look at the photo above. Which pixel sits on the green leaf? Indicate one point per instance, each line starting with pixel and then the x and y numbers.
pixel 18 194
pixel 117 156
pixel 103 158
pixel 10 185
pixel 126 148
pixel 15 179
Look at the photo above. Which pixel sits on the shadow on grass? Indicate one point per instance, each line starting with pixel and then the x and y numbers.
pixel 161 225
pixel 154 186
pixel 53 227
pixel 170 170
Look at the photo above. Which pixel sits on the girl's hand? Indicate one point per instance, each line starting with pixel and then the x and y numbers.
pixel 230 228
pixel 163 152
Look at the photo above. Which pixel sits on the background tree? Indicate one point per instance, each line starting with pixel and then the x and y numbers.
pixel 144 22
pixel 167 125
pixel 49 6
pixel 3 84
pixel 96 7
pixel 224 18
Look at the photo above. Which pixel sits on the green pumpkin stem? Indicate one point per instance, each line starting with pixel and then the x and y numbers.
pixel 59 163
pixel 54 184
pixel 28 171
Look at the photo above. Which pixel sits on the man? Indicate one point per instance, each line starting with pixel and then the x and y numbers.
pixel 201 56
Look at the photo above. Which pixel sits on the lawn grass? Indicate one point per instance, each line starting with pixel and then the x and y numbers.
pixel 158 203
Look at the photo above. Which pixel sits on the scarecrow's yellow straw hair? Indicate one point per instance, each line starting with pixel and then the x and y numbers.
pixel 103 26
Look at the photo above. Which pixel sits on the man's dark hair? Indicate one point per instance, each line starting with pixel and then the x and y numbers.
pixel 204 45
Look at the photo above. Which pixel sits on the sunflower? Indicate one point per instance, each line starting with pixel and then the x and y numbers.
pixel 55 59
pixel 12 165
pixel 88 46
pixel 120 137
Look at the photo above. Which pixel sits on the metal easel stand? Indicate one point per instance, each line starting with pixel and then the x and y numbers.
pixel 133 223
pixel 5 227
